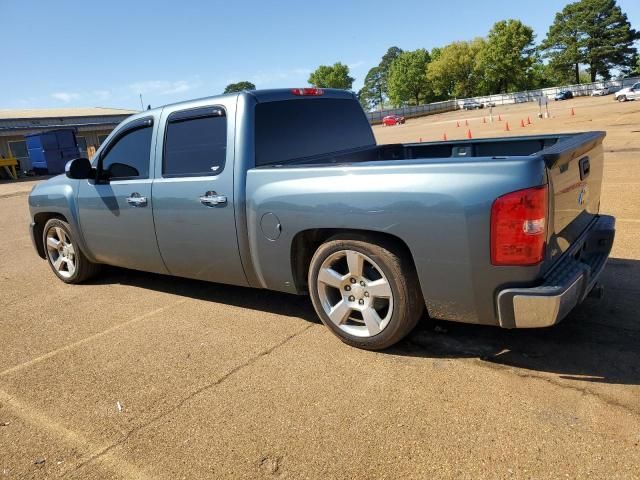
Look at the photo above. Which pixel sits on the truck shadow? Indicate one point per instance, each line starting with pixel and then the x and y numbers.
pixel 243 297
pixel 599 341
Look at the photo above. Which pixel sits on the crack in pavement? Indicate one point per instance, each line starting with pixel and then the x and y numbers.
pixel 583 390
pixel 250 361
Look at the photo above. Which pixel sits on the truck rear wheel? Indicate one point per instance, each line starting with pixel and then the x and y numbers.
pixel 367 294
pixel 63 254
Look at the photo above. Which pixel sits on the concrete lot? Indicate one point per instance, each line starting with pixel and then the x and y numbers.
pixel 144 376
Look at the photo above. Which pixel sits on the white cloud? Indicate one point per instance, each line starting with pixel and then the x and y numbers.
pixel 164 87
pixel 65 97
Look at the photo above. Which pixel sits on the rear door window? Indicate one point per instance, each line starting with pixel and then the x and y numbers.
pixel 195 143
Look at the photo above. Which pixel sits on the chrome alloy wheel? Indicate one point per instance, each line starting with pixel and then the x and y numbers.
pixel 61 252
pixel 354 293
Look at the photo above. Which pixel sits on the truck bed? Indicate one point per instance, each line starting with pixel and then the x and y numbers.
pixel 436 197
pixel 494 148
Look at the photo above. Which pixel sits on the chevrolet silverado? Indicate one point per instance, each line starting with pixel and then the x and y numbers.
pixel 287 190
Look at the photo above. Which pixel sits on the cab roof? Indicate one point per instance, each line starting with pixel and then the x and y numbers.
pixel 271 95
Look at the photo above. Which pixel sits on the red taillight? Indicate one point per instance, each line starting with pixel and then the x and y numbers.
pixel 307 91
pixel 518 227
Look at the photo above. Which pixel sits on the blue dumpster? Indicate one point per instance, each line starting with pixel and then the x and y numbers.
pixel 50 151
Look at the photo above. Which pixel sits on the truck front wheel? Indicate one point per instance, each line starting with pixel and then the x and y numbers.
pixel 367 294
pixel 63 254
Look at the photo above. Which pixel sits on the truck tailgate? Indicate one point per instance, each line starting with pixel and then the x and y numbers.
pixel 575 166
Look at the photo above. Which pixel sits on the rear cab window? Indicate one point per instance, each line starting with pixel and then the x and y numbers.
pixel 290 130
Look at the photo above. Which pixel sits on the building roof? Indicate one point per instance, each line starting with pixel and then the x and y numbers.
pixel 19 114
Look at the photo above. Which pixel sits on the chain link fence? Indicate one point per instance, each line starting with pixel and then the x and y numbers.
pixel 582 89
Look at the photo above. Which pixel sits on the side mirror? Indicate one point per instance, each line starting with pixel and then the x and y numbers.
pixel 78 169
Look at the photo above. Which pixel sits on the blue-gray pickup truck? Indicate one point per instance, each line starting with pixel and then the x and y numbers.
pixel 287 190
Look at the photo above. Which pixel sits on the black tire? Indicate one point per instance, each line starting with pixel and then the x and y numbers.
pixel 622 98
pixel 84 269
pixel 408 304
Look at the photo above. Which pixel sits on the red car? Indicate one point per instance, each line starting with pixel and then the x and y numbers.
pixel 392 120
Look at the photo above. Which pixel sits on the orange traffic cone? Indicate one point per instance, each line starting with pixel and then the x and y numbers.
pixel 466 124
pixel 522 123
pixel 420 139
pixel 506 127
pixel 484 119
pixel 499 117
pixel 469 134
pixel 572 112
pixel 457 123
pixel 444 136
pixel 528 120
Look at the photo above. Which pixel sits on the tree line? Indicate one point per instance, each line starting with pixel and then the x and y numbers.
pixel 589 39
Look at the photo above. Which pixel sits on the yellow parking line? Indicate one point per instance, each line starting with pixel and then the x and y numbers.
pixel 74 439
pixel 88 339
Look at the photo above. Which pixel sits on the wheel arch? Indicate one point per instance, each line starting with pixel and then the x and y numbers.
pixel 39 221
pixel 305 243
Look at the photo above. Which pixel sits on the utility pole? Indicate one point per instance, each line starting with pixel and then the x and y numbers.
pixel 141 103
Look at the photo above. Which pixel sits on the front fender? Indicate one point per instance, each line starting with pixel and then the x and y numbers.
pixel 56 197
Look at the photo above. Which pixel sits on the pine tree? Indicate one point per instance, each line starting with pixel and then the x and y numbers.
pixel 592 32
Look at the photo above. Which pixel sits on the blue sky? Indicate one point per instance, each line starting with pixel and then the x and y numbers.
pixel 86 53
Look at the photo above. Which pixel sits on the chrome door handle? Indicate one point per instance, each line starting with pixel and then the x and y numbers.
pixel 137 200
pixel 212 199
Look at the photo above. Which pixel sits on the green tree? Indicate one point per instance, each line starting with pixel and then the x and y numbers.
pixel 560 73
pixel 507 57
pixel 371 95
pixel 385 64
pixel 544 75
pixel 634 69
pixel 239 87
pixel 608 37
pixel 375 90
pixel 408 78
pixel 592 32
pixel 562 44
pixel 453 71
pixel 332 76
pixel 435 53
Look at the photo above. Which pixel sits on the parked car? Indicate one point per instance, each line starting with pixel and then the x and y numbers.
pixel 390 120
pixel 563 95
pixel 287 190
pixel 472 105
pixel 489 104
pixel 629 93
pixel 601 92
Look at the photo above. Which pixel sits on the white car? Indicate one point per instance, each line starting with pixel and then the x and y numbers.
pixel 629 93
pixel 601 92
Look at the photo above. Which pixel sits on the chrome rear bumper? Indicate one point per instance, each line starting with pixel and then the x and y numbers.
pixel 566 285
